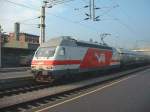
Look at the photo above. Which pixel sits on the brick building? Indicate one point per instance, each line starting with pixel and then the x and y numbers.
pixel 15 48
pixel 25 41
pixel 24 37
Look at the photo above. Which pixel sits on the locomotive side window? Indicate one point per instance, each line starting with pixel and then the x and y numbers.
pixel 45 52
pixel 62 52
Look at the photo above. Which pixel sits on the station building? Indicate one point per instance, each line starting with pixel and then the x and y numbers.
pixel 17 47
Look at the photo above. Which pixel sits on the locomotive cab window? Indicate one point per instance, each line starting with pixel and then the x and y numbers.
pixel 62 51
pixel 45 52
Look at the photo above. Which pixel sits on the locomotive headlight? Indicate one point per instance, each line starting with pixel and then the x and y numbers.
pixel 33 67
pixel 50 67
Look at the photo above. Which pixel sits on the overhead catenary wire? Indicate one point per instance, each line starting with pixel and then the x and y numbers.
pixel 24 20
pixel 129 27
pixel 85 1
pixel 21 5
pixel 29 19
pixel 59 17
pixel 95 30
pixel 51 14
pixel 59 2
pixel 29 24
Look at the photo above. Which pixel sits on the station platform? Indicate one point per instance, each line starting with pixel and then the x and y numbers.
pixel 15 79
pixel 15 74
pixel 128 94
pixel 14 69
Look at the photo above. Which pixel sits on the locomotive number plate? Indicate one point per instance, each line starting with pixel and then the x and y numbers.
pixel 45 73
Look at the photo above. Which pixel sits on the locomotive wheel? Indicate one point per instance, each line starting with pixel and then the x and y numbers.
pixel 42 79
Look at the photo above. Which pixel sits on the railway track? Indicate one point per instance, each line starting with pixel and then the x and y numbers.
pixel 34 97
pixel 24 89
pixel 4 70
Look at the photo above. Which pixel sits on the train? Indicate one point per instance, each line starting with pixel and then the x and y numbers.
pixel 62 56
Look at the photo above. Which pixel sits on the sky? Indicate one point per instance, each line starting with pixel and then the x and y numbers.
pixel 126 20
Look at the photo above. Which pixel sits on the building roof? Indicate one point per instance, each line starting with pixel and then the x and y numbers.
pixel 29 35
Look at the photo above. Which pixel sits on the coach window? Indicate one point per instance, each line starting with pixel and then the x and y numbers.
pixel 62 51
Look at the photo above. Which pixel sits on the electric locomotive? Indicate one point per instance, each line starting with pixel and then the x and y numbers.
pixel 64 55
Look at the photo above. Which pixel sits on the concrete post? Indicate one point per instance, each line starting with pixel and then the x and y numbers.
pixel 42 25
pixel 0 49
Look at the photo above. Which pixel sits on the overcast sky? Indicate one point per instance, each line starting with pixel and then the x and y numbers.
pixel 128 24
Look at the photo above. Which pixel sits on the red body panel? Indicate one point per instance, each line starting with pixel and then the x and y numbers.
pixel 95 58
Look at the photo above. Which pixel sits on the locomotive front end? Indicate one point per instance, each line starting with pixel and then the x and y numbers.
pixel 43 64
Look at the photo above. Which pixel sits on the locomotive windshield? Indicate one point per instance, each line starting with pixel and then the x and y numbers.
pixel 45 52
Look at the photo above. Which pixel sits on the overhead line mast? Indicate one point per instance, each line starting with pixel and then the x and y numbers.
pixel 42 25
pixel 92 8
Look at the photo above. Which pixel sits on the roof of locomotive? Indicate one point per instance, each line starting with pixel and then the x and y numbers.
pixel 68 41
pixel 58 41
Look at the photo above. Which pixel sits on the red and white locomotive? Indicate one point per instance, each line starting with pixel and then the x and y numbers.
pixel 65 55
